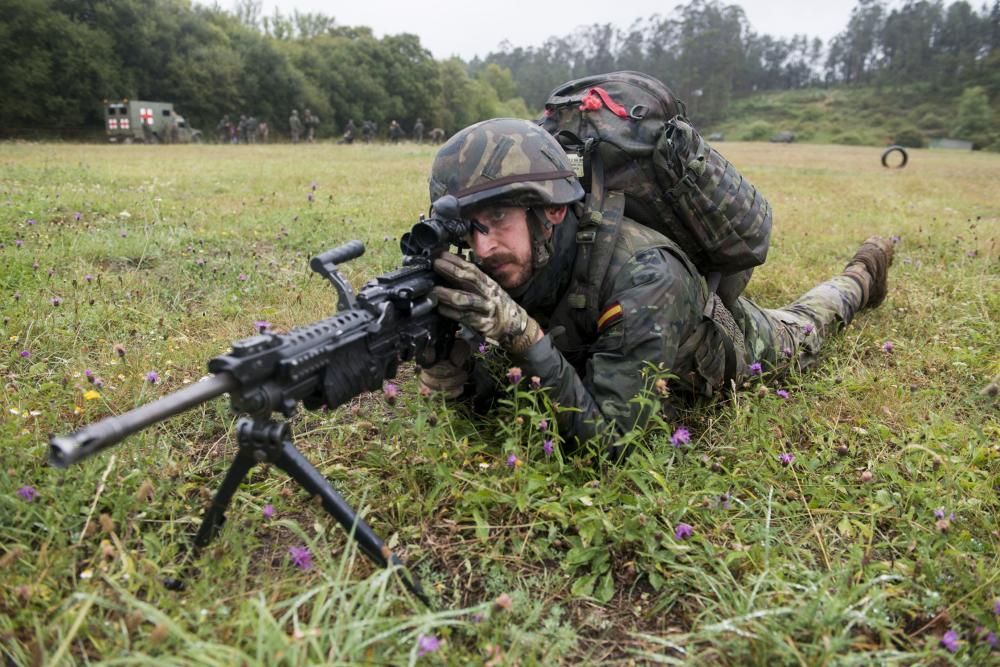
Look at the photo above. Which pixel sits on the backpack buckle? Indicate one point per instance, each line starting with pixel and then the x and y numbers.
pixel 586 237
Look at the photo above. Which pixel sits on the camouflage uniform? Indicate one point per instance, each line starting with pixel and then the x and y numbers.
pixel 617 299
pixel 295 126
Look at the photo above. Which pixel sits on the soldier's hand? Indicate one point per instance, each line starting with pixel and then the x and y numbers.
pixel 449 375
pixel 479 303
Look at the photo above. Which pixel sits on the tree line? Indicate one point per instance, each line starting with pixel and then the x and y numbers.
pixel 60 58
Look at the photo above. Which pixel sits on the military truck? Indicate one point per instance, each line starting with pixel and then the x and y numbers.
pixel 128 121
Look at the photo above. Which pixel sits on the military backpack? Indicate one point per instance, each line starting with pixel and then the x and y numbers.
pixel 628 132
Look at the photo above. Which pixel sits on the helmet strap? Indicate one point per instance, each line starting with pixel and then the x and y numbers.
pixel 542 245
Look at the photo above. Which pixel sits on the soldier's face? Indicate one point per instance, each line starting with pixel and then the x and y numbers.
pixel 504 251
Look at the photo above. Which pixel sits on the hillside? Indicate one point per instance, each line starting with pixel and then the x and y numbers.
pixel 854 116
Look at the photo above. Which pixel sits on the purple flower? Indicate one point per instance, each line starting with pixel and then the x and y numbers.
pixel 512 461
pixel 514 375
pixel 895 238
pixel 536 382
pixel 25 354
pixel 950 641
pixel 27 494
pixel 787 459
pixel 683 531
pixel 152 377
pixel 542 425
pixel 996 606
pixel 301 558
pixel 547 447
pixel 427 644
pixel 390 391
pixel 887 346
pixel 808 328
pixel 242 277
pixel 124 233
pixel 98 382
pixel 781 393
pixel 991 639
pixel 681 436
pixel 88 278
pixel 939 513
pixel 119 350
pixel 787 352
pixel 483 347
pixel 32 221
pixel 261 326
pixel 268 511
pixel 77 216
pixel 56 301
pixel 756 368
pixel 313 185
pixel 18 242
pixel 309 197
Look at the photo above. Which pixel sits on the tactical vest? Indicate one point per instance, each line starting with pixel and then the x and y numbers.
pixel 710 356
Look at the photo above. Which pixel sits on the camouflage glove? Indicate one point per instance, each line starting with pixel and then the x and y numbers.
pixel 482 305
pixel 448 376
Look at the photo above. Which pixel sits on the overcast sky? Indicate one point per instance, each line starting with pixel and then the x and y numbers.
pixel 467 28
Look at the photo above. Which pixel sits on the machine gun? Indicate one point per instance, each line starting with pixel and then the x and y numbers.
pixel 393 318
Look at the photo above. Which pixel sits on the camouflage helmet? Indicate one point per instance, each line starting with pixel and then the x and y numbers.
pixel 504 158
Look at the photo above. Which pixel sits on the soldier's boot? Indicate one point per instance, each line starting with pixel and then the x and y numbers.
pixel 870 269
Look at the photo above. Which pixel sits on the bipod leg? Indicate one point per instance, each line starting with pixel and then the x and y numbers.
pixel 302 471
pixel 215 513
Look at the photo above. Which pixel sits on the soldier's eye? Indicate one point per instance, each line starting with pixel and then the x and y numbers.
pixel 496 214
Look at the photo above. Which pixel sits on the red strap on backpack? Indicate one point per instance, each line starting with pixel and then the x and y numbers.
pixel 598 97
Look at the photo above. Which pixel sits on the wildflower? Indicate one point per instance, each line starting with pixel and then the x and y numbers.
pixel 939 513
pixel 996 606
pixel 681 436
pixel 152 377
pixel 200 262
pixel 887 346
pixel 808 328
pixel 991 639
pixel 34 266
pixel 756 368
pixel 119 350
pixel 425 391
pixel 786 352
pixel 542 425
pixel 513 461
pixel 98 382
pixel 301 558
pixel 427 644
pixel 25 354
pixel 514 375
pixel 91 395
pixel 18 242
pixel 866 476
pixel 895 238
pixel 683 531
pixel 660 386
pixel 950 641
pixel 781 393
pixel 123 234
pixel 261 326
pixel 56 301
pixel 547 447
pixel 268 511
pixel 787 459
pixel 483 348
pixel 27 494
pixel 390 391
pixel 242 277
pixel 310 197
pixel 77 216
pixel 536 382
pixel 313 185
pixel 503 602
pixel 32 221
pixel 88 278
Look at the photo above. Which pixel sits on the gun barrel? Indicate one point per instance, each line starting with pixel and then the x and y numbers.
pixel 68 449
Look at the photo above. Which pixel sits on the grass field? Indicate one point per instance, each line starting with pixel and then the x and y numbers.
pixel 877 541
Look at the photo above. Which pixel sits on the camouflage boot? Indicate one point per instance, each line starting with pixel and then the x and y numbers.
pixel 870 269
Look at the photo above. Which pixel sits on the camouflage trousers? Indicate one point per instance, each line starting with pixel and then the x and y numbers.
pixel 744 340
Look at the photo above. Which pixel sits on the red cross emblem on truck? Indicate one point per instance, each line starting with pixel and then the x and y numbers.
pixel 146 114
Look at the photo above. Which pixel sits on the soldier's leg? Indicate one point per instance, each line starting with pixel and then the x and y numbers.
pixel 792 336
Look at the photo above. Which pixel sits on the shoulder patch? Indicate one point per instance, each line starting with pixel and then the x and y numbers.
pixel 611 314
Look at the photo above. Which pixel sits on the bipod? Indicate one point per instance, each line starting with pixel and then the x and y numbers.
pixel 268 441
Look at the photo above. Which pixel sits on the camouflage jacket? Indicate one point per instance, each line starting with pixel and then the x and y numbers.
pixel 650 303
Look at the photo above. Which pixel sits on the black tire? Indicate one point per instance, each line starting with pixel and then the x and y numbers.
pixel 889 151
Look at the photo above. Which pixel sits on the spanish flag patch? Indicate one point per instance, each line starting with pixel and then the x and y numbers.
pixel 611 314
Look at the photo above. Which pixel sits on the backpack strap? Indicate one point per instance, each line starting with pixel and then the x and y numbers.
pixel 595 244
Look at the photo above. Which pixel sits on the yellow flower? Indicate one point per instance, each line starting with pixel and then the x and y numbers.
pixel 91 395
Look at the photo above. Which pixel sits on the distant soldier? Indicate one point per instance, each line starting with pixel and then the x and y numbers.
pixel 173 130
pixel 418 131
pixel 263 131
pixel 368 131
pixel 147 130
pixel 437 135
pixel 349 131
pixel 312 122
pixel 395 132
pixel 222 129
pixel 241 129
pixel 251 130
pixel 295 126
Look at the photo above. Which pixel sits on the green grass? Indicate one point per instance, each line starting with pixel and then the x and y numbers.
pixel 807 564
